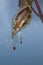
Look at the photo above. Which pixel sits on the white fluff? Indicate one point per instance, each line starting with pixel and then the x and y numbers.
pixel 20 37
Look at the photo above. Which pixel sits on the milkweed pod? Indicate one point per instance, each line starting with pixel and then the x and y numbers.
pixel 21 20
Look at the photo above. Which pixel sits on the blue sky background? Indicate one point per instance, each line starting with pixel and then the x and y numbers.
pixel 31 52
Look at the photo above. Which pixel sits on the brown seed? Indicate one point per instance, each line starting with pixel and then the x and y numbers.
pixel 14 48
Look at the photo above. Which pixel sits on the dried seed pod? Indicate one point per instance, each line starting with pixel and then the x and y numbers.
pixel 21 20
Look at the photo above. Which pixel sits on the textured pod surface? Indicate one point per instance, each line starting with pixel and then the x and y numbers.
pixel 21 20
